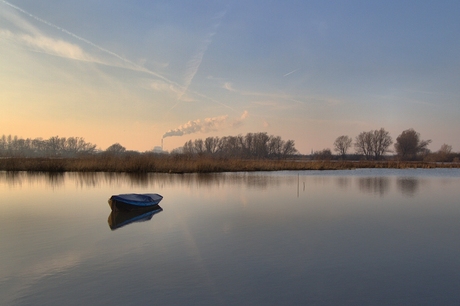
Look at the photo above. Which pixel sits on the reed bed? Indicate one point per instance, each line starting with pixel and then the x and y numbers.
pixel 183 164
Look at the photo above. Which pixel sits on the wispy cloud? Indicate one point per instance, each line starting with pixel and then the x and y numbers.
pixel 51 45
pixel 401 99
pixel 280 99
pixel 238 121
pixel 66 32
pixel 48 45
pixel 32 37
pixel 162 86
pixel 228 86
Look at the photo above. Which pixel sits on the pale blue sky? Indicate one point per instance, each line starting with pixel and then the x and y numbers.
pixel 133 71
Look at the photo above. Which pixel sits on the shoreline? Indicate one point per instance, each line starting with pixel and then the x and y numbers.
pixel 181 164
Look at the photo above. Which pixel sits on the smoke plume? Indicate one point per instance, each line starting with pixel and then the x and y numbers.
pixel 206 125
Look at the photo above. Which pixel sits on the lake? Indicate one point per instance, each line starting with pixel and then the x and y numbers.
pixel 354 237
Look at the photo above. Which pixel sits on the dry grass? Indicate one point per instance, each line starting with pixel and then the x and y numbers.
pixel 181 164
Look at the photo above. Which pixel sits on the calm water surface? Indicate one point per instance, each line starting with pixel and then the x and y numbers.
pixel 362 237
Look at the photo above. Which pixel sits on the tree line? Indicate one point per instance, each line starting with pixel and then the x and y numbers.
pixel 370 145
pixel 252 145
pixel 374 144
pixel 13 146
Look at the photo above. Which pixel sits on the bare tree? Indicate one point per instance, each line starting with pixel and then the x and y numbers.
pixel 289 148
pixel 39 146
pixel 56 145
pixel 363 144
pixel 408 145
pixel 234 146
pixel 248 144
pixel 198 145
pixel 77 145
pixel 324 154
pixel 116 149
pixel 445 149
pixel 261 145
pixel 188 148
pixel 275 146
pixel 342 144
pixel 381 141
pixel 373 144
pixel 210 144
pixel 53 147
pixel 253 145
pixel 444 154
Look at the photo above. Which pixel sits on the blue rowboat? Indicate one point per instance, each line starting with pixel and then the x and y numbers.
pixel 134 201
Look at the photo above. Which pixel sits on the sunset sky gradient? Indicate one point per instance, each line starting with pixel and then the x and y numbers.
pixel 134 71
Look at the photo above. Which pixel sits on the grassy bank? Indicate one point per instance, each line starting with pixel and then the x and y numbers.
pixel 181 164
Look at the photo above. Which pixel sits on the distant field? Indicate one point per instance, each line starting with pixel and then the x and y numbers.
pixel 181 164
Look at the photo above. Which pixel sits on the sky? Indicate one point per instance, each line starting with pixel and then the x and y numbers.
pixel 134 72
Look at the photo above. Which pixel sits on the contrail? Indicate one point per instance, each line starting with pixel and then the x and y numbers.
pixel 290 72
pixel 193 65
pixel 67 32
pixel 134 65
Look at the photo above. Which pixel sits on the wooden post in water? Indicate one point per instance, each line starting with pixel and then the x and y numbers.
pixel 298 179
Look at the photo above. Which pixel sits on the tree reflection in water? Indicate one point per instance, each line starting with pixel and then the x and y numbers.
pixel 254 180
pixel 375 185
pixel 408 186
pixel 380 183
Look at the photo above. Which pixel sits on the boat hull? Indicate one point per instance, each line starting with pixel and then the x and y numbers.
pixel 134 202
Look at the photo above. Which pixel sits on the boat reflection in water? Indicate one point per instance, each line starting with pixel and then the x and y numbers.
pixel 119 219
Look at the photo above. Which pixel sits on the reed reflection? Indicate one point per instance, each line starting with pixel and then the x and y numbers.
pixel 343 182
pixel 207 180
pixel 18 178
pixel 55 179
pixel 252 180
pixel 12 178
pixel 375 185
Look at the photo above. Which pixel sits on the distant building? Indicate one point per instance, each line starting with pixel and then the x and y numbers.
pixel 158 149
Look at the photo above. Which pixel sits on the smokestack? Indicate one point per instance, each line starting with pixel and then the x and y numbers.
pixel 162 144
